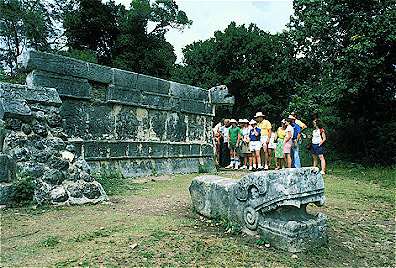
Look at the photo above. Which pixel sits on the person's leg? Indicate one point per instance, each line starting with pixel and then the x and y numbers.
pixel 322 162
pixel 297 156
pixel 270 151
pixel 315 159
pixel 258 157
pixel 236 158
pixel 232 160
pixel 288 160
pixel 251 160
pixel 292 153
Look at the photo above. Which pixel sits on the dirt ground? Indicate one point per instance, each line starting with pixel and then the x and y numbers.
pixel 152 223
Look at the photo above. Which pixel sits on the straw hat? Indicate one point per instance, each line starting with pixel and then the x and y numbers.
pixel 252 122
pixel 292 117
pixel 233 121
pixel 258 114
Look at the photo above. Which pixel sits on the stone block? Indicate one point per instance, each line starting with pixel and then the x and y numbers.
pixel 220 95
pixel 270 204
pixel 99 73
pixel 163 86
pixel 195 93
pixel 127 125
pixel 196 107
pixel 153 150
pixel 124 78
pixel 210 195
pixel 118 149
pixel 5 194
pixel 46 96
pixel 1 108
pixel 67 86
pixel 64 66
pixel 124 95
pixel 184 165
pixel 96 150
pixel 176 127
pixel 100 120
pixel 156 101
pixel 17 108
pixel 74 115
pixel 2 134
pixel 177 89
pixel 7 168
pixel 147 83
pixel 207 150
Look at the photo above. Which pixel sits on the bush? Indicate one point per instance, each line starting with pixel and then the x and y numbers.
pixel 23 191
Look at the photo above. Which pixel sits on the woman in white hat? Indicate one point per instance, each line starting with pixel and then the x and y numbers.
pixel 245 142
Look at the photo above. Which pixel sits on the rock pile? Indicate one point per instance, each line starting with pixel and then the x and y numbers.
pixel 34 146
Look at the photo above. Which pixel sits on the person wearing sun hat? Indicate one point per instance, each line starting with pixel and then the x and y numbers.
pixel 234 134
pixel 255 146
pixel 225 151
pixel 266 130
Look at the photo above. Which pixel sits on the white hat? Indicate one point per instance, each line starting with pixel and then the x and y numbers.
pixel 233 121
pixel 292 117
pixel 258 114
pixel 252 122
pixel 243 121
pixel 283 121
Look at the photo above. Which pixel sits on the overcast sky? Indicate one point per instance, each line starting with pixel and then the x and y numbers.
pixel 210 16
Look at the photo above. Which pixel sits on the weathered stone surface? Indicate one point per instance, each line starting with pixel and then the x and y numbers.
pixel 7 168
pixel 147 83
pixel 220 95
pixel 99 73
pixel 66 86
pixel 2 134
pixel 270 204
pixel 124 78
pixel 156 101
pixel 5 193
pixel 34 60
pixel 48 96
pixel 210 195
pixel 124 95
pixel 18 109
pixel 196 107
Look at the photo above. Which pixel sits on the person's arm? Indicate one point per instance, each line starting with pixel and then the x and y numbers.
pixel 269 135
pixel 239 138
pixel 296 141
pixel 288 136
pixel 323 138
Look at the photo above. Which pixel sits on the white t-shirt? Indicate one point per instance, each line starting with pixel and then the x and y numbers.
pixel 224 131
pixel 289 128
pixel 316 136
pixel 245 133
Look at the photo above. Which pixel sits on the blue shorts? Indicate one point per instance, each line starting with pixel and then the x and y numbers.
pixel 316 150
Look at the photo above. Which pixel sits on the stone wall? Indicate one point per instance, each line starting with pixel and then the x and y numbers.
pixel 121 121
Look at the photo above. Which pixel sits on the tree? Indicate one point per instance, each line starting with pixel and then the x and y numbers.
pixel 348 47
pixel 249 61
pixel 92 25
pixel 23 24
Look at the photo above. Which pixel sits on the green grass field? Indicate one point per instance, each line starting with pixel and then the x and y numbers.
pixel 150 222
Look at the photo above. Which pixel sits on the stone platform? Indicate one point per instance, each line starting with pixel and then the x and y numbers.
pixel 271 204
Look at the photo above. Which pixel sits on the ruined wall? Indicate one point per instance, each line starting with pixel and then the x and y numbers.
pixel 128 122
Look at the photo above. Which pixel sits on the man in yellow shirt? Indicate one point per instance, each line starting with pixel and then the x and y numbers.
pixel 265 127
pixel 298 122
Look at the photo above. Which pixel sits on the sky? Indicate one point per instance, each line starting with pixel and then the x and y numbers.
pixel 210 16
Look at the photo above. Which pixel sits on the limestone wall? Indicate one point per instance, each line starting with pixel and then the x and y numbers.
pixel 128 122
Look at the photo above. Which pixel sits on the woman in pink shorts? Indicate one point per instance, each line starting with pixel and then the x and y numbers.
pixel 288 142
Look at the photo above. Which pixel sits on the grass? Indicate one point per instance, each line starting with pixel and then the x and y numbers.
pixel 151 223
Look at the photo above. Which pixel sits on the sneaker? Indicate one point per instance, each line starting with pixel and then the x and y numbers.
pixel 250 168
pixel 266 167
pixel 243 167
pixel 260 167
pixel 230 166
pixel 322 172
pixel 236 166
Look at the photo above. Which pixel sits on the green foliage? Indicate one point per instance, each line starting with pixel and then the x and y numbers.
pixel 112 183
pixel 203 169
pixel 225 222
pixel 50 241
pixel 85 55
pixel 13 79
pixel 24 24
pixel 118 37
pixel 23 190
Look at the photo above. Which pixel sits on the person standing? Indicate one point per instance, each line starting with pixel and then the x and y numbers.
pixel 265 127
pixel 255 146
pixel 225 151
pixel 318 139
pixel 299 122
pixel 296 141
pixel 234 137
pixel 280 139
pixel 216 140
pixel 245 143
pixel 288 143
